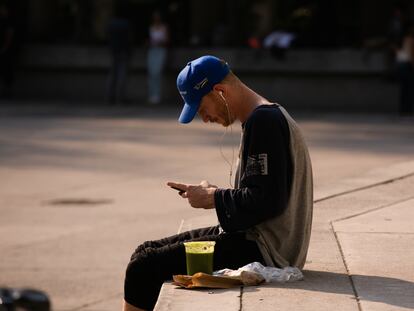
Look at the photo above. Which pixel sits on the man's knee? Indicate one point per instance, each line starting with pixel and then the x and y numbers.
pixel 141 249
pixel 142 261
pixel 141 284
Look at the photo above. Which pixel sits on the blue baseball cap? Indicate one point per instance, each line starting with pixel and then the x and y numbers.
pixel 196 80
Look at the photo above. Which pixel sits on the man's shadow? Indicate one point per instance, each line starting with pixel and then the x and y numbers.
pixel 391 291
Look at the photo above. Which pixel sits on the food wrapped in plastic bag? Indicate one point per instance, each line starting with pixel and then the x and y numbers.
pixel 249 275
pixel 204 280
pixel 269 274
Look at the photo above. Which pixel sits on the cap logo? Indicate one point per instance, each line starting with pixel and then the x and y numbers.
pixel 201 84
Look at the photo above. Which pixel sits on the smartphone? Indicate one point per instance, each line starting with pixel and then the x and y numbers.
pixel 180 191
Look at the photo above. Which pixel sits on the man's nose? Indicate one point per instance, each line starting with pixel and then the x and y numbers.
pixel 204 117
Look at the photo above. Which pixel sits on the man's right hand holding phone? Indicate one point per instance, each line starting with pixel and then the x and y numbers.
pixel 199 196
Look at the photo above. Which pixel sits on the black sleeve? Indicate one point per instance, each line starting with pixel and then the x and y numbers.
pixel 265 180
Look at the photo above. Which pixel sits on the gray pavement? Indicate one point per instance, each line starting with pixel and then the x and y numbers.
pixel 79 191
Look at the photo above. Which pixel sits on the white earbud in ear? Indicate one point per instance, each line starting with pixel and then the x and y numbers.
pixel 221 94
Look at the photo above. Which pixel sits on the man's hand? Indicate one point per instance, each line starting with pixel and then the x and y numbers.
pixel 199 196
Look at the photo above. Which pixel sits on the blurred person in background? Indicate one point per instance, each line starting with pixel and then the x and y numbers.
pixel 119 37
pixel 405 71
pixel 8 52
pixel 395 27
pixel 394 37
pixel 157 54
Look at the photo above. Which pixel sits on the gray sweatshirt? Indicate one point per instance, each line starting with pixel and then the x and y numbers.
pixel 284 239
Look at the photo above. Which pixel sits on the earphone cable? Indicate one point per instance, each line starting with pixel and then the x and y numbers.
pixel 221 149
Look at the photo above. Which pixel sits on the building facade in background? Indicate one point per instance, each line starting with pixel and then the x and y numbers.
pixel 317 23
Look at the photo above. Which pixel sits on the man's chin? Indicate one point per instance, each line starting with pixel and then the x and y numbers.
pixel 227 123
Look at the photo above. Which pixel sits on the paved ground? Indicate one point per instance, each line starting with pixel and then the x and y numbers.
pixel 79 190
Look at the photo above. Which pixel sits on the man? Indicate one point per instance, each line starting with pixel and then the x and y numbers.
pixel 267 216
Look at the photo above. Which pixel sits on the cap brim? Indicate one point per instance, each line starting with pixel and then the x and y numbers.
pixel 188 113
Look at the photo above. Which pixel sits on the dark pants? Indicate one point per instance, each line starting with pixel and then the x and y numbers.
pixel 406 78
pixel 154 262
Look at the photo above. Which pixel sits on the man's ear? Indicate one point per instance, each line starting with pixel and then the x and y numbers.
pixel 219 88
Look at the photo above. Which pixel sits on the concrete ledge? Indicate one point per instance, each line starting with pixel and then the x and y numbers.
pixel 351 261
pixel 305 93
pixel 346 61
pixel 176 299
pixel 338 80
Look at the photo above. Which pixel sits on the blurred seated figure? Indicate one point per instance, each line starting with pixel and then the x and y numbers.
pixel 278 42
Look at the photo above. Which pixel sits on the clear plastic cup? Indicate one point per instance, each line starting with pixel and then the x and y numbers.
pixel 199 256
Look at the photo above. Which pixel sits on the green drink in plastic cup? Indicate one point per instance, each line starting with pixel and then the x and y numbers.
pixel 199 256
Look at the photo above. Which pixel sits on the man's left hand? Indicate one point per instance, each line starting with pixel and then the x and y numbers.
pixel 199 196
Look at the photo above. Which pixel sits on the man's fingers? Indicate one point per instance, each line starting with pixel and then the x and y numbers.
pixel 176 185
pixel 196 194
pixel 198 206
pixel 204 183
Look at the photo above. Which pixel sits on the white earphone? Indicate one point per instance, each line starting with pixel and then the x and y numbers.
pixel 221 141
pixel 221 94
